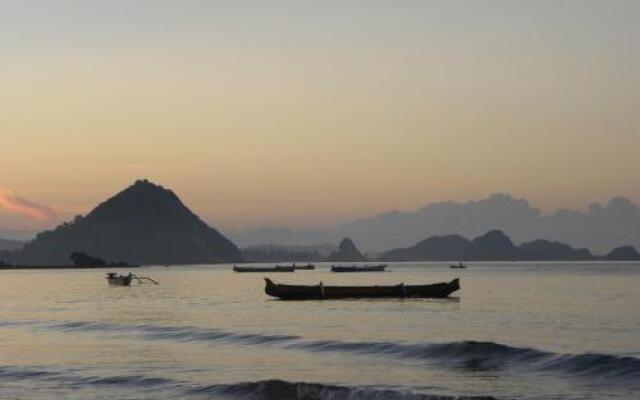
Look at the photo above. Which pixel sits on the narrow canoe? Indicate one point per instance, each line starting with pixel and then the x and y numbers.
pixel 307 267
pixel 264 269
pixel 356 268
pixel 321 292
pixel 298 267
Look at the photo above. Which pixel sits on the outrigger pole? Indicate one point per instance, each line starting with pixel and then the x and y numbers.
pixel 144 278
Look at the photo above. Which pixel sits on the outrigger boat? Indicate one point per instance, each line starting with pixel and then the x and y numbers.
pixel 119 280
pixel 460 265
pixel 321 292
pixel 356 268
pixel 277 268
pixel 116 279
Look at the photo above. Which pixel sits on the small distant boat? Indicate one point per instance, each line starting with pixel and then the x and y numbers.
pixel 296 267
pixel 277 268
pixel 321 292
pixel 116 279
pixel 458 266
pixel 357 268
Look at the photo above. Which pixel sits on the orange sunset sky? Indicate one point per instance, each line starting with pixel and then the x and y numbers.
pixel 309 114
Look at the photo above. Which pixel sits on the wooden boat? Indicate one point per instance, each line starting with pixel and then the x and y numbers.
pixel 125 280
pixel 356 268
pixel 321 292
pixel 458 266
pixel 277 268
pixel 307 267
pixel 115 279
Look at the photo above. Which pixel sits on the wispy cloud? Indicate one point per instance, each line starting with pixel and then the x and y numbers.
pixel 22 206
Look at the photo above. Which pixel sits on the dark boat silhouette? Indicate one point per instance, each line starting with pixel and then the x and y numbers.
pixel 296 267
pixel 356 268
pixel 321 292
pixel 115 279
pixel 307 267
pixel 277 268
pixel 460 265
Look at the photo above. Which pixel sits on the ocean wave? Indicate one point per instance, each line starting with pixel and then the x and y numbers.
pixel 178 333
pixel 257 390
pixel 469 355
pixel 10 372
pixel 129 380
pixel 285 390
pixel 489 355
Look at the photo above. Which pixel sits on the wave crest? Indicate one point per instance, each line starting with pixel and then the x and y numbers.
pixel 602 368
pixel 258 390
pixel 285 390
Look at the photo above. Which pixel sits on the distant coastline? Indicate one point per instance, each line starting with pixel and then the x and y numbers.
pixel 42 267
pixel 147 224
pixel 495 245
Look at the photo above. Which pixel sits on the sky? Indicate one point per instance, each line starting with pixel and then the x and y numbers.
pixel 309 114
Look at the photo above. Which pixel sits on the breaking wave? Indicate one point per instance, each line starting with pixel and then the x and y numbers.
pixel 258 390
pixel 284 390
pixel 472 355
pixel 489 355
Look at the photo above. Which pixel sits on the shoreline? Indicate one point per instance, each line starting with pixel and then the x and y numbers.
pixel 14 268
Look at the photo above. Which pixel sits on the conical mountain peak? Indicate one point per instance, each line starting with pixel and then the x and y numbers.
pixel 143 224
pixel 141 199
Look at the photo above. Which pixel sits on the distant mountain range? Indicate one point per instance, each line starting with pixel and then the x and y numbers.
pixel 492 246
pixel 600 229
pixel 143 224
pixel 148 224
pixel 496 246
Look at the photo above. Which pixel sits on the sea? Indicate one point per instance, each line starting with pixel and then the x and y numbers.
pixel 513 331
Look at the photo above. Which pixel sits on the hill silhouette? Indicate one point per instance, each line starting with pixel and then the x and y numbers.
pixel 496 246
pixel 493 245
pixel 143 224
pixel 347 252
pixel 599 228
pixel 623 253
pixel 435 248
pixel 545 250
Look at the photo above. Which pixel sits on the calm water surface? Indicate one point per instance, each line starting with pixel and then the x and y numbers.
pixel 514 331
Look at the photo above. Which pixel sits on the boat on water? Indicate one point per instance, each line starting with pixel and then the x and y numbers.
pixel 298 267
pixel 116 279
pixel 321 292
pixel 358 268
pixel 277 268
pixel 307 267
pixel 460 265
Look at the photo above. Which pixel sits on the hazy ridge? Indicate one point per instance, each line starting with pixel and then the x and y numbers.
pixel 600 229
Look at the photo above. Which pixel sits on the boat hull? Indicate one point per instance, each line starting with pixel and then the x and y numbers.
pixel 120 280
pixel 307 267
pixel 304 268
pixel 372 268
pixel 264 269
pixel 321 292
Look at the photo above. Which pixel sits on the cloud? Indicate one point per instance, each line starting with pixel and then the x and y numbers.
pixel 18 205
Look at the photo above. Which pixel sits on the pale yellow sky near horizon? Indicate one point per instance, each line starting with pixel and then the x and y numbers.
pixel 308 115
